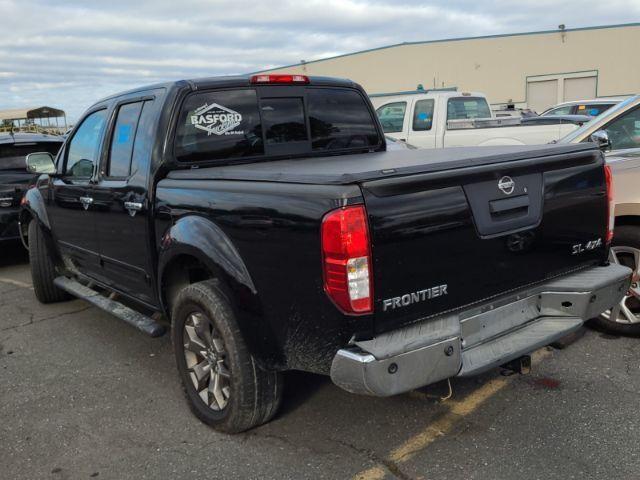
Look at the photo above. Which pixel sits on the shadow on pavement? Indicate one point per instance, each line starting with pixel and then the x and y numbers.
pixel 13 253
pixel 299 387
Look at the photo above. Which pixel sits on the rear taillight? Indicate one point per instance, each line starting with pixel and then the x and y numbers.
pixel 611 203
pixel 280 78
pixel 346 256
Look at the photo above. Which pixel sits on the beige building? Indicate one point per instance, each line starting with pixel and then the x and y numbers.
pixel 536 69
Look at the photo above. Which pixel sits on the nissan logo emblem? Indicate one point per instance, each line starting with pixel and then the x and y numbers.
pixel 507 185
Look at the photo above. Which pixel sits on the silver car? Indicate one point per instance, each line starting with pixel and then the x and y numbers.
pixel 617 131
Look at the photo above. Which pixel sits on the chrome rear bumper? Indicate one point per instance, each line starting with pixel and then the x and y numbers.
pixel 475 340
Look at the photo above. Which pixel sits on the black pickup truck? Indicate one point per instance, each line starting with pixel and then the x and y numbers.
pixel 263 220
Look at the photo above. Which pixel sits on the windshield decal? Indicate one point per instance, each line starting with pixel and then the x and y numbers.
pixel 216 120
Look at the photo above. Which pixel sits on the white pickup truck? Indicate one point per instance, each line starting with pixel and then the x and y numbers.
pixel 438 119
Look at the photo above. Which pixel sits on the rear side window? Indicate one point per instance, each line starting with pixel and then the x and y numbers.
pixel 466 108
pixel 593 110
pixel 218 125
pixel 339 119
pixel 123 138
pixel 423 115
pixel 391 116
pixel 566 110
pixel 12 156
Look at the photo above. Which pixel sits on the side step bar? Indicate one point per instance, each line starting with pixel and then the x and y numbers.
pixel 133 318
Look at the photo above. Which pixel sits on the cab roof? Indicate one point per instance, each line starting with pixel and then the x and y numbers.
pixel 228 82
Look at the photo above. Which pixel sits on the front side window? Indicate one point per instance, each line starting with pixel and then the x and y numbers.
pixel 124 134
pixel 340 119
pixel 219 125
pixel 84 148
pixel 624 132
pixel 423 115
pixel 391 116
pixel 467 108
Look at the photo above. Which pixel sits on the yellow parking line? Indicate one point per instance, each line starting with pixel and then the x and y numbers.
pixel 374 473
pixel 458 409
pixel 17 283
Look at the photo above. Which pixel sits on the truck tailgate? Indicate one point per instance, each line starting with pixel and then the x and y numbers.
pixel 442 241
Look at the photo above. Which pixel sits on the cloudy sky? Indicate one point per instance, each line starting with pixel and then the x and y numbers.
pixel 69 53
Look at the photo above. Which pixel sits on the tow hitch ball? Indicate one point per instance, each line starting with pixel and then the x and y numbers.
pixel 519 365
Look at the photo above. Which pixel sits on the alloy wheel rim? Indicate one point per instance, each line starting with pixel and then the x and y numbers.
pixel 628 310
pixel 205 355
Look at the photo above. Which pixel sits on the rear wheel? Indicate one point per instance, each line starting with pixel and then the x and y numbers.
pixel 43 269
pixel 624 318
pixel 224 385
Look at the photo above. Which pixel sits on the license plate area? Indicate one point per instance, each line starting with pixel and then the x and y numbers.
pixel 494 322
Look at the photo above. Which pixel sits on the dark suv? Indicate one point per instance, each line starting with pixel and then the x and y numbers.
pixel 14 177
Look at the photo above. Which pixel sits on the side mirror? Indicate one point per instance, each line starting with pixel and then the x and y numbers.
pixel 601 139
pixel 40 162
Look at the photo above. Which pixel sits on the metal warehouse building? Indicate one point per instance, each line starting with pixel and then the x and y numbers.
pixel 535 69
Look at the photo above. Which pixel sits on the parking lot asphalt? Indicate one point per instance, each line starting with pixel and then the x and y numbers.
pixel 83 395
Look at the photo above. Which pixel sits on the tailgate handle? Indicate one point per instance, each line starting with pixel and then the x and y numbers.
pixel 508 204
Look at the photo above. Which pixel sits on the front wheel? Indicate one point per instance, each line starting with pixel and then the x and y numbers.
pixel 624 318
pixel 43 269
pixel 224 385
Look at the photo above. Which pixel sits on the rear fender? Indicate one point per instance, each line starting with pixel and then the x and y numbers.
pixel 501 142
pixel 198 238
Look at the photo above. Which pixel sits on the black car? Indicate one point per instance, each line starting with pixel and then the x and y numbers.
pixel 14 177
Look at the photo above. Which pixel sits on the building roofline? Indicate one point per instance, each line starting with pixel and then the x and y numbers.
pixel 456 39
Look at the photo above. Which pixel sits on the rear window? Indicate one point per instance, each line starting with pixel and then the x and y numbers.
pixel 340 119
pixel 12 157
pixel 466 108
pixel 228 124
pixel 219 124
pixel 283 120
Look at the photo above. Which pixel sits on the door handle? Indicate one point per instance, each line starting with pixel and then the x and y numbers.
pixel 86 201
pixel 133 207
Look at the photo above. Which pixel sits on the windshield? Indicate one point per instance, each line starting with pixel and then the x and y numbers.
pixel 577 135
pixel 12 156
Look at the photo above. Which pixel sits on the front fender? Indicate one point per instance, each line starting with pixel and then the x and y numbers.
pixel 32 205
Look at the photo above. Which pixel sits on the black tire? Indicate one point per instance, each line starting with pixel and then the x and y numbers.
pixel 624 236
pixel 255 393
pixel 43 269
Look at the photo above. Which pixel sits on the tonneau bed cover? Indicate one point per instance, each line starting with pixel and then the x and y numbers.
pixel 346 169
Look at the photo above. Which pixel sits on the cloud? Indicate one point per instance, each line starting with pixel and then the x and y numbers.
pixel 69 53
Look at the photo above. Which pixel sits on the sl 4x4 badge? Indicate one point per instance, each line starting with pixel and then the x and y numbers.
pixel 579 248
pixel 216 120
